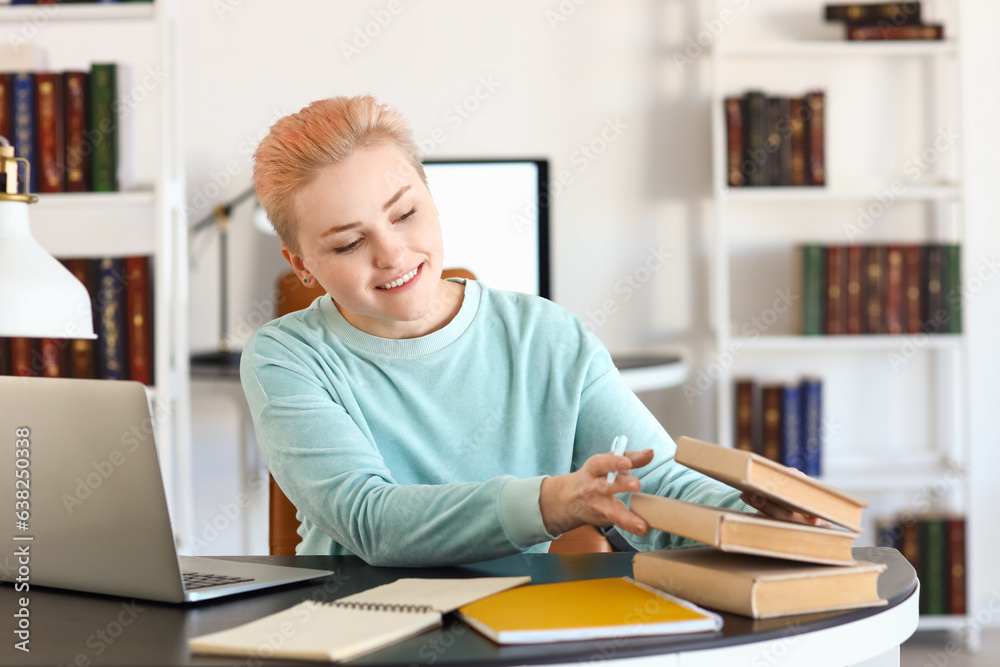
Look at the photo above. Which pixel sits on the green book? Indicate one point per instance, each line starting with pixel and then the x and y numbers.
pixel 952 287
pixel 933 575
pixel 104 127
pixel 812 289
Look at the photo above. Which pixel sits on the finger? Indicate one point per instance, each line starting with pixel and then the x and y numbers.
pixel 640 459
pixel 627 520
pixel 624 483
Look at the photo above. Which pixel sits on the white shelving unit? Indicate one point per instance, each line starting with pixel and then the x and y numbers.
pixel 147 216
pixel 880 456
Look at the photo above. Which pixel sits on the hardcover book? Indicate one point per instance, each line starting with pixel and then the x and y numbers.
pixel 741 532
pixel 778 483
pixel 758 587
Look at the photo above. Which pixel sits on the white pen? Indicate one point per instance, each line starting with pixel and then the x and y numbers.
pixel 617 448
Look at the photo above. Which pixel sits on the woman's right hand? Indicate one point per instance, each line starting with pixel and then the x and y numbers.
pixel 585 497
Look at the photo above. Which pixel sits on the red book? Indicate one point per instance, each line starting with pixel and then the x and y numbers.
pixel 81 351
pixel 912 282
pixel 886 31
pixel 836 288
pixel 797 140
pixel 956 565
pixel 20 356
pixel 75 122
pixel 745 390
pixel 817 162
pixel 771 398
pixel 49 126
pixel 51 350
pixel 894 290
pixel 138 317
pixel 734 141
pixel 855 294
pixel 874 322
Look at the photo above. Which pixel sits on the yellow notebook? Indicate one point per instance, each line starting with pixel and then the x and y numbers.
pixel 589 609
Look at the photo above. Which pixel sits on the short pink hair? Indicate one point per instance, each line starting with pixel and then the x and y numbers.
pixel 322 134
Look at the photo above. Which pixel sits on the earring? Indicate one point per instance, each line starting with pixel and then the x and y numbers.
pixel 305 281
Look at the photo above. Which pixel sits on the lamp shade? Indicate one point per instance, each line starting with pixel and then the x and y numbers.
pixel 39 297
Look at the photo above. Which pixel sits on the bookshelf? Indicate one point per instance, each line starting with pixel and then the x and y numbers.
pixel 897 435
pixel 146 217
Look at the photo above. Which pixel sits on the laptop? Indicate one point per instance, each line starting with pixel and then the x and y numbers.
pixel 79 471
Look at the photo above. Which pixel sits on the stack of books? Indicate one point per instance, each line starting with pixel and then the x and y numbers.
pixel 883 20
pixel 754 565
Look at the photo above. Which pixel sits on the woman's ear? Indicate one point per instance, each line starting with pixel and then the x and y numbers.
pixel 298 266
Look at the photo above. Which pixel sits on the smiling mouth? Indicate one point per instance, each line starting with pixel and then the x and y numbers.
pixel 402 280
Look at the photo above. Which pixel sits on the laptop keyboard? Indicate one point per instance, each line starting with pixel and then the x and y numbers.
pixel 195 580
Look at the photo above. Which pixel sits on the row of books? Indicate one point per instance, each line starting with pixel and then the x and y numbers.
pixel 781 421
pixel 122 304
pixel 775 140
pixel 881 289
pixel 935 547
pixel 66 125
pixel 883 20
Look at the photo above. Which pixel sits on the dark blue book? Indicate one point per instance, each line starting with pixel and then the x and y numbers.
pixel 791 428
pixel 811 399
pixel 110 304
pixel 24 123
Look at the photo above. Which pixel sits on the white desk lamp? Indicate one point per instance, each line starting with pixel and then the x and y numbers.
pixel 39 297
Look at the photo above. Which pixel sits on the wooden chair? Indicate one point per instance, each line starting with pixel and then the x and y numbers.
pixel 283 526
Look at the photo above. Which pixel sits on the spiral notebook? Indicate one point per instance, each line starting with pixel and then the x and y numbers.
pixel 353 625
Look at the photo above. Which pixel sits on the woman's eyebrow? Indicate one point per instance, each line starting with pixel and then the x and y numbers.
pixel 395 197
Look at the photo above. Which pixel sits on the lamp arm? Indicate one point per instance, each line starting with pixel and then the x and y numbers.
pixel 223 210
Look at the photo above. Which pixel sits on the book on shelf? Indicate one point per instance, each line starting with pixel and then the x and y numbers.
pixel 121 291
pixel 354 625
pixel 934 544
pixel 734 531
pixel 781 421
pixel 882 31
pixel 871 13
pixel 584 610
pixel 880 289
pixel 774 140
pixel 778 483
pixel 758 587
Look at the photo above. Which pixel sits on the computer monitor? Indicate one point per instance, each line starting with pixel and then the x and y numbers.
pixel 495 220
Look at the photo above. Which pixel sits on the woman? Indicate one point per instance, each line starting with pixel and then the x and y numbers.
pixel 420 421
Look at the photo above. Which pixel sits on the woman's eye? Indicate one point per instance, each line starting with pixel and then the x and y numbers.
pixel 347 248
pixel 409 214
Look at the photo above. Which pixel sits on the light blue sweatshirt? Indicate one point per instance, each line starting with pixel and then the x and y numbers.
pixel 432 450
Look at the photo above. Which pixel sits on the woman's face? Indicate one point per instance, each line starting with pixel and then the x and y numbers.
pixel 369 234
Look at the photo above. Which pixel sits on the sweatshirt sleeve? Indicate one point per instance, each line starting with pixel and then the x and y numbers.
pixel 609 408
pixel 334 474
